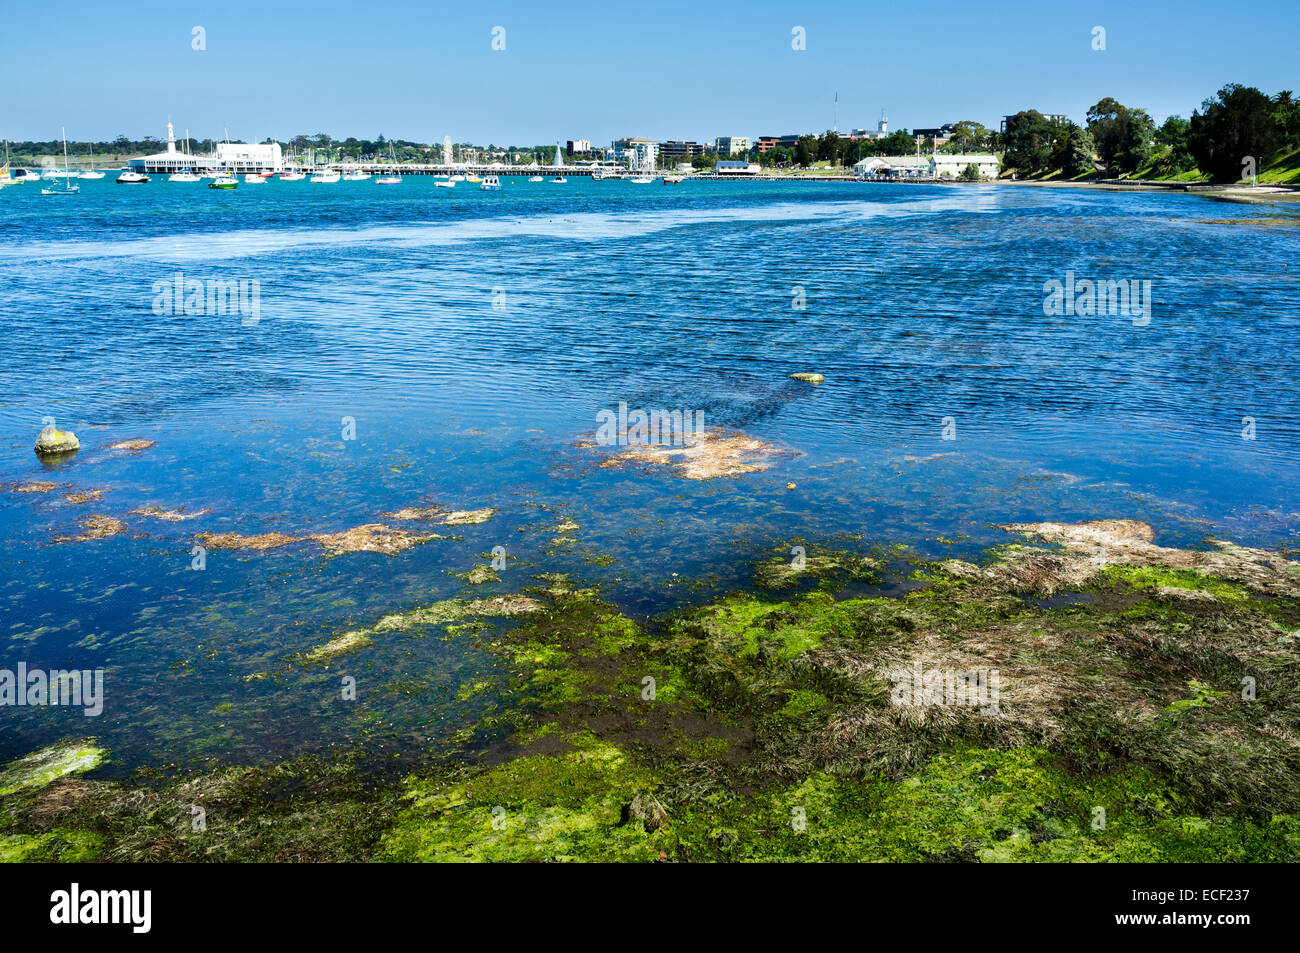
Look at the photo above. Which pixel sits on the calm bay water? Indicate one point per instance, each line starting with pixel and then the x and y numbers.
pixel 473 337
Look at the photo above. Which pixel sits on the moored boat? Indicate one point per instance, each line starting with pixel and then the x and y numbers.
pixel 490 184
pixel 183 177
pixel 132 178
pixel 67 188
pixel 326 176
pixel 253 178
pixel 224 182
pixel 449 184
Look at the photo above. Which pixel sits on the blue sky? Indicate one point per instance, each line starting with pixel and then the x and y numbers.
pixel 597 70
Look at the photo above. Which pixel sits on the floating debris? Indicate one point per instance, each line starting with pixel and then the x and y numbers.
pixel 171 516
pixel 133 446
pixel 83 496
pixel 808 378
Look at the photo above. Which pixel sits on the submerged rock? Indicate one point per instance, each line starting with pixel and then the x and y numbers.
pixel 95 526
pixel 54 441
pixel 438 515
pixel 260 542
pixel 36 486
pixel 83 496
pixel 371 538
pixel 133 446
pixel 171 516
pixel 808 378
pixel 712 454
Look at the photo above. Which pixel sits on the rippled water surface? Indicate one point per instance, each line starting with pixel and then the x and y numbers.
pixel 474 336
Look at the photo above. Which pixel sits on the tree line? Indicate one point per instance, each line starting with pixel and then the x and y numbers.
pixel 1232 133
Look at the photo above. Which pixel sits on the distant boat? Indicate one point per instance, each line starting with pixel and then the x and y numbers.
pixel 393 179
pixel 292 176
pixel 490 184
pixel 470 178
pixel 132 178
pixel 458 178
pixel 450 184
pixel 224 182
pixel 356 176
pixel 91 172
pixel 672 180
pixel 5 177
pixel 535 178
pixel 68 188
pixel 559 180
pixel 183 177
pixel 253 178
pixel 327 176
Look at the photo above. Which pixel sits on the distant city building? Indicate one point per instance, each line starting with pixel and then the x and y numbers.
pixel 880 132
pixel 577 146
pixel 766 143
pixel 940 165
pixel 939 134
pixel 675 149
pixel 732 145
pixel 636 152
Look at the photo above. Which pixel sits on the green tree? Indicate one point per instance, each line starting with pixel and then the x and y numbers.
pixel 1030 141
pixel 1239 125
pixel 1080 151
pixel 1122 135
pixel 969 134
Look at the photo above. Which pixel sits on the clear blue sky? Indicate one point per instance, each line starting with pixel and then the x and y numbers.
pixel 421 70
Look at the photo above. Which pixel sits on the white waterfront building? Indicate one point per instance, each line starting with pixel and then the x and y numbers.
pixel 941 165
pixel 232 157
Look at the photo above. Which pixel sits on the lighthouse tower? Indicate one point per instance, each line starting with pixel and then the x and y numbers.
pixel 171 139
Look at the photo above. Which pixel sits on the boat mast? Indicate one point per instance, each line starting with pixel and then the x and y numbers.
pixel 67 177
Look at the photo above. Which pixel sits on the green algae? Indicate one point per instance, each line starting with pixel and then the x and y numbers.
pixel 829 568
pixel 42 767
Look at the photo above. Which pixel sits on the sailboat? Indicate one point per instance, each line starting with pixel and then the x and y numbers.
pixel 5 177
pixel 68 187
pixel 393 179
pixel 91 173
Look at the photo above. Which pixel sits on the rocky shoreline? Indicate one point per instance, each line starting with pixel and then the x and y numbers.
pixel 1144 705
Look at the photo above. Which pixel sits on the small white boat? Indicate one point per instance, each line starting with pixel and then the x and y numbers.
pixel 445 185
pixel 490 183
pixel 91 174
pixel 224 182
pixel 535 178
pixel 183 177
pixel 389 180
pixel 327 177
pixel 132 178
pixel 356 176
pixel 458 178
pixel 672 179
pixel 292 176
pixel 253 178
pixel 559 180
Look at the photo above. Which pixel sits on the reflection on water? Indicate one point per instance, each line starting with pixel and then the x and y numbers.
pixel 473 337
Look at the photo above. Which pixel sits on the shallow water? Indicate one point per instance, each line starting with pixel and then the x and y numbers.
pixel 473 337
